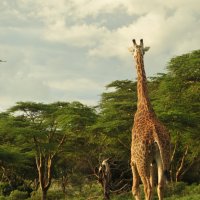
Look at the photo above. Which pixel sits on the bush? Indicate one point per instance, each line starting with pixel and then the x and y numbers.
pixel 35 195
pixel 51 195
pixel 192 189
pixel 5 189
pixel 3 198
pixel 55 195
pixel 175 189
pixel 18 195
pixel 25 188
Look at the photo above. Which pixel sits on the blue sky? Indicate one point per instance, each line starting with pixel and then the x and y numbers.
pixel 68 50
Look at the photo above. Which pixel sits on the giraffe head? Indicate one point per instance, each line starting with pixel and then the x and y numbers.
pixel 138 50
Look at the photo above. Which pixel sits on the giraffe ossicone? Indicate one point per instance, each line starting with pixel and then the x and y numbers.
pixel 135 47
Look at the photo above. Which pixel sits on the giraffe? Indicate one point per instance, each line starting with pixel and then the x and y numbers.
pixel 150 139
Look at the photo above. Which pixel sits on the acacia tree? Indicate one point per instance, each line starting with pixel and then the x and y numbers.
pixel 57 133
pixel 113 128
pixel 37 128
pixel 176 100
pixel 16 165
pixel 117 108
pixel 81 145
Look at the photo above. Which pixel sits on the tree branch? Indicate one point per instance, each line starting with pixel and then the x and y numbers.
pixel 178 172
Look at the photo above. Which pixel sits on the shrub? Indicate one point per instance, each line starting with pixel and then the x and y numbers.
pixel 51 195
pixel 25 188
pixel 5 189
pixel 18 195
pixel 3 198
pixel 175 189
pixel 192 189
pixel 35 195
pixel 55 195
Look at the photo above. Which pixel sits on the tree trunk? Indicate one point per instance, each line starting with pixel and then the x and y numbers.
pixel 172 173
pixel 178 172
pixel 44 195
pixel 64 181
pixel 36 184
pixel 44 166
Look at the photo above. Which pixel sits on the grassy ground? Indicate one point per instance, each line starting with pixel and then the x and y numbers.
pixel 178 191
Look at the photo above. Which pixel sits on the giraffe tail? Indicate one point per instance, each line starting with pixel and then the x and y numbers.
pixel 164 154
pixel 164 162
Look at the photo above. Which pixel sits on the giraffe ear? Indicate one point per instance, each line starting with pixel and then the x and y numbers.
pixel 131 49
pixel 146 49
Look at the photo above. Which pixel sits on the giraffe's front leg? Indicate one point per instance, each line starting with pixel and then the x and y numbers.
pixel 136 181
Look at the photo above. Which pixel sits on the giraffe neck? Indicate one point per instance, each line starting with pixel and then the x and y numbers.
pixel 142 91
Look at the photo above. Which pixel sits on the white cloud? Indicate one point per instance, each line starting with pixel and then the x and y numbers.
pixel 64 49
pixel 64 22
pixel 163 34
pixel 116 43
pixel 74 85
pixel 77 35
pixel 156 23
pixel 84 8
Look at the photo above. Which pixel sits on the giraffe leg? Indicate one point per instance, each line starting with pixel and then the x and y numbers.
pixel 147 187
pixel 161 179
pixel 136 179
pixel 144 172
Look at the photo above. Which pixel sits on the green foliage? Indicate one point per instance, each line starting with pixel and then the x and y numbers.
pixel 14 185
pixel 115 120
pixel 177 102
pixel 3 198
pixel 175 189
pixel 87 191
pixel 5 189
pixel 117 108
pixel 182 191
pixel 52 195
pixel 16 195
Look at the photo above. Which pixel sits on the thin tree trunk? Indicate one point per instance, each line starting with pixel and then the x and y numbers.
pixel 36 184
pixel 44 195
pixel 178 172
pixel 44 166
pixel 171 163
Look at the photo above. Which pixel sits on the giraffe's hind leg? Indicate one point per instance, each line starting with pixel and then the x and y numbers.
pixel 147 187
pixel 136 181
pixel 144 172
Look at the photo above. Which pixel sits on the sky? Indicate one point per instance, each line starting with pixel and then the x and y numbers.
pixel 69 50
